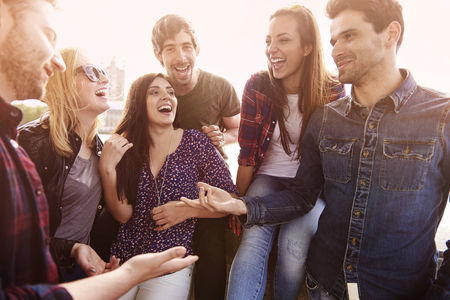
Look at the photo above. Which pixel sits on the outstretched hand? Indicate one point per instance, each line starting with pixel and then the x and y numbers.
pixel 90 262
pixel 216 200
pixel 151 265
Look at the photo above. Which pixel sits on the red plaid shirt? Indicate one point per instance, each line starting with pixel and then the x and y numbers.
pixel 27 270
pixel 258 122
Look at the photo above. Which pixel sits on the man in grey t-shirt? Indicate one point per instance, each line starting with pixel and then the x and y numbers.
pixel 210 104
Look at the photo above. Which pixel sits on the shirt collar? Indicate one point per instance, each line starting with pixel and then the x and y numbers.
pixel 10 117
pixel 399 96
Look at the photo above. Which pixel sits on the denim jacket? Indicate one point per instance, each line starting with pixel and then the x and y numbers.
pixel 385 175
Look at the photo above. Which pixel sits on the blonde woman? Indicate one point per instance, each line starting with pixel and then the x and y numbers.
pixel 65 148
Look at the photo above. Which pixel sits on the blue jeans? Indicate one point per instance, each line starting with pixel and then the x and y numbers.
pixel 248 275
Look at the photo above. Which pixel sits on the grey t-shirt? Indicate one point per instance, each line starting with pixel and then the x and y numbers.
pixel 211 99
pixel 81 195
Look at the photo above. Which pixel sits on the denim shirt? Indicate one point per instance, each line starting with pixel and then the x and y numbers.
pixel 385 176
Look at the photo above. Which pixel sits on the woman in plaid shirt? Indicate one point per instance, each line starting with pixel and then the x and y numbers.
pixel 275 106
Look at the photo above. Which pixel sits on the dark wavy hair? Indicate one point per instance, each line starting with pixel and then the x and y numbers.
pixel 135 126
pixel 379 13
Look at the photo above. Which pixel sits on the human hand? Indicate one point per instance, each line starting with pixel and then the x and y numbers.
pixel 234 224
pixel 113 151
pixel 215 135
pixel 151 265
pixel 217 200
pixel 169 214
pixel 90 262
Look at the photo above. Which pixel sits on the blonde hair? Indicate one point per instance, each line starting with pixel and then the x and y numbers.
pixel 61 97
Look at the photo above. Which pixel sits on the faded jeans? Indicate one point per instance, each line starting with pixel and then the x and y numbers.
pixel 248 275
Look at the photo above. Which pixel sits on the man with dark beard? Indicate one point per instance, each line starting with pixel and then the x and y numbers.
pixel 28 57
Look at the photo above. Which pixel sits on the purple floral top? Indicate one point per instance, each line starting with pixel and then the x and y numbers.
pixel 195 159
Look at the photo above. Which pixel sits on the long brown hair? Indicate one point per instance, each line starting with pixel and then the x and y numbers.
pixel 134 126
pixel 316 83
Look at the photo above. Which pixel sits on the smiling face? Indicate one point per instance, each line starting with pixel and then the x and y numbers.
pixel 92 96
pixel 178 56
pixel 358 50
pixel 28 56
pixel 284 50
pixel 161 103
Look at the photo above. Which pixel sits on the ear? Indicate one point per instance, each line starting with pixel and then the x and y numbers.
pixel 197 51
pixel 157 54
pixel 307 49
pixel 394 30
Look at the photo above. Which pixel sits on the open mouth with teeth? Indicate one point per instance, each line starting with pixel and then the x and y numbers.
pixel 101 93
pixel 165 109
pixel 277 62
pixel 182 70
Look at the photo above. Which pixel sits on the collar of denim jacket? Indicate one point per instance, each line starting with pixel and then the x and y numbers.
pixel 399 96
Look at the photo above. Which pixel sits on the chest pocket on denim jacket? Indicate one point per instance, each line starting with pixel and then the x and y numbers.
pixel 336 156
pixel 405 164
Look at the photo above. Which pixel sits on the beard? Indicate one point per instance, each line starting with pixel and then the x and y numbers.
pixel 22 65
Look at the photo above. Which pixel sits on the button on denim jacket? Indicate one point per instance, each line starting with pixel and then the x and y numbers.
pixel 385 176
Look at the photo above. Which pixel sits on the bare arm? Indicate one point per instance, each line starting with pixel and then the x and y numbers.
pixel 229 136
pixel 171 214
pixel 113 150
pixel 232 127
pixel 244 178
pixel 140 268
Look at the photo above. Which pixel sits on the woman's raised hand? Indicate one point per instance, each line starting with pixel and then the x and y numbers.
pixel 113 151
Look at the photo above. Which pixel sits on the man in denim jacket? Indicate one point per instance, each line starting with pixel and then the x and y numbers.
pixel 381 157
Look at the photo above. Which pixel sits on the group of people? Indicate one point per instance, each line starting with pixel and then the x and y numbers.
pixel 351 188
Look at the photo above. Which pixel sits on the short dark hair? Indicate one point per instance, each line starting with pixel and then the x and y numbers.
pixel 167 27
pixel 379 13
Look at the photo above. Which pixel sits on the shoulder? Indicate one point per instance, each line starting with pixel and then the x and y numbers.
pixel 32 132
pixel 215 81
pixel 195 135
pixel 210 77
pixel 258 80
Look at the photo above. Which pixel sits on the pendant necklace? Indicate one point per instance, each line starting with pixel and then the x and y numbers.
pixel 159 192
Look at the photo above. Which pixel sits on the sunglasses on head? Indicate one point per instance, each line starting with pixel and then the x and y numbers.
pixel 92 72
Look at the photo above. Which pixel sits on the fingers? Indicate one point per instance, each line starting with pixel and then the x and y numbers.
pixel 163 227
pixel 173 253
pixel 208 129
pixel 111 266
pixel 204 199
pixel 235 225
pixel 187 202
pixel 119 143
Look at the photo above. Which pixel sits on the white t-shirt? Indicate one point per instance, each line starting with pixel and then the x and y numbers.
pixel 276 162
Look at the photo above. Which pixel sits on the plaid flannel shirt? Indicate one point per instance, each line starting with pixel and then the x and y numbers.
pixel 27 270
pixel 258 121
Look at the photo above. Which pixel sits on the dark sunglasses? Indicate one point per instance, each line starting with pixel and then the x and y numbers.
pixel 92 72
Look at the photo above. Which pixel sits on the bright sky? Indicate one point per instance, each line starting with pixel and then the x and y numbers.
pixel 232 35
